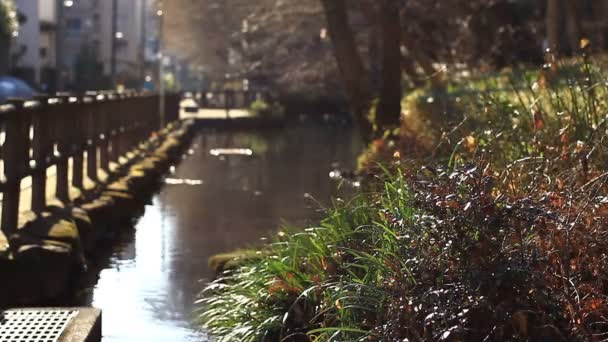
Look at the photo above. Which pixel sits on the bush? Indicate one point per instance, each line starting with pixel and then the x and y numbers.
pixel 8 22
pixel 502 238
pixel 262 108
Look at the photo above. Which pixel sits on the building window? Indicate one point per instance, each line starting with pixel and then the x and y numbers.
pixel 74 24
pixel 43 52
pixel 121 43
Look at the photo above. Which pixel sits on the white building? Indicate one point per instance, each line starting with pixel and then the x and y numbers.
pixel 77 38
pixel 47 11
pixel 32 56
pixel 89 24
pixel 25 50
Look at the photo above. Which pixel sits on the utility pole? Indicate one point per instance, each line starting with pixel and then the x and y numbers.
pixel 114 31
pixel 161 66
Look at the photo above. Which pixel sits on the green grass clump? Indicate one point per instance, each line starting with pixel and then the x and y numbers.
pixel 255 302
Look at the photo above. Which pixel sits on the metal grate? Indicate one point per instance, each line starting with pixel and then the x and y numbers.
pixel 34 325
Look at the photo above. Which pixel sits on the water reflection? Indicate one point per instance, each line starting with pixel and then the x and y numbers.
pixel 213 203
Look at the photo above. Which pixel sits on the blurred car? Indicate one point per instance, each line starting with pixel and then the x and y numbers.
pixel 11 87
pixel 189 104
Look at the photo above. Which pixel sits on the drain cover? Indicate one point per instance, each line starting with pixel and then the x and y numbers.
pixel 34 325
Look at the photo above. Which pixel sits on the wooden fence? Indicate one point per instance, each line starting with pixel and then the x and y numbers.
pixel 229 99
pixel 60 132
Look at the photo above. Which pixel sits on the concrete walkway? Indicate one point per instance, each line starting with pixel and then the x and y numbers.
pixel 216 114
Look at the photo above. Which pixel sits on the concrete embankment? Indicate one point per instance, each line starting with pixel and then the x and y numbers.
pixel 39 263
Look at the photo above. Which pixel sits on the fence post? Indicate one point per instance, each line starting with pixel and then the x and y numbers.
pixel 122 120
pixel 103 133
pixel 173 107
pixel 41 154
pixel 155 119
pixel 131 111
pixel 15 155
pixel 91 129
pixel 79 142
pixel 60 114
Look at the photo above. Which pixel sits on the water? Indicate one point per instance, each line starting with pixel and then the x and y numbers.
pixel 213 204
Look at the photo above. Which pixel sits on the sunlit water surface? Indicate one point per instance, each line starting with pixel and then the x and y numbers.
pixel 211 204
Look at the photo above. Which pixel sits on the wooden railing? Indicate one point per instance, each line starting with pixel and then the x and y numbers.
pixel 229 99
pixel 77 135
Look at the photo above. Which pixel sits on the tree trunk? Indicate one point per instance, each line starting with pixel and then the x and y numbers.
pixel 375 57
pixel 599 31
pixel 604 31
pixel 388 113
pixel 4 55
pixel 553 25
pixel 573 28
pixel 369 10
pixel 352 70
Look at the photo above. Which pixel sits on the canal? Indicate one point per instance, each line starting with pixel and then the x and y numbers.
pixel 147 283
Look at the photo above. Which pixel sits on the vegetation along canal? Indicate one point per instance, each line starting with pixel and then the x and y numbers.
pixel 212 204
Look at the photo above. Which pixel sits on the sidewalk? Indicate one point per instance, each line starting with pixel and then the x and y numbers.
pixel 216 114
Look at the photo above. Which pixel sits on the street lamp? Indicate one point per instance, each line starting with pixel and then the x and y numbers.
pixel 161 62
pixel 115 37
